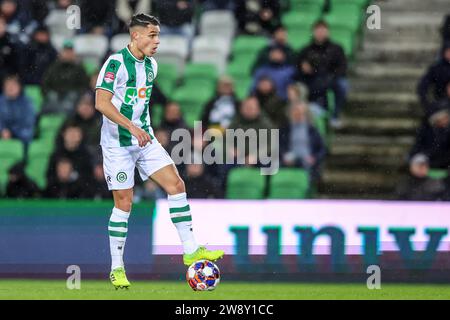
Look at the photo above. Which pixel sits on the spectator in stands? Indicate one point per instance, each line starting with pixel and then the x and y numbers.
pixel 176 17
pixel 417 186
pixel 66 183
pixel 323 63
pixel 17 116
pixel 172 120
pixel 125 9
pixel 19 186
pixel 221 109
pixel 36 10
pixel 445 31
pixel 279 39
pixel 70 145
pixel 251 117
pixel 443 103
pixel 89 120
pixel 433 139
pixel 298 92
pixel 278 69
pixel 300 143
pixel 208 5
pixel 98 17
pixel 9 53
pixel 257 16
pixel 201 185
pixel 63 82
pixel 272 105
pixel 37 56
pixel 435 79
pixel 19 26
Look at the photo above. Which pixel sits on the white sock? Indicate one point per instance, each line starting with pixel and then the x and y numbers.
pixel 181 217
pixel 117 229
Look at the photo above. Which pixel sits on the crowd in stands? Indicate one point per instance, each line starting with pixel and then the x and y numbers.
pixel 429 158
pixel 289 91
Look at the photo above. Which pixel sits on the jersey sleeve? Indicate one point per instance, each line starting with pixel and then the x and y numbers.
pixel 108 76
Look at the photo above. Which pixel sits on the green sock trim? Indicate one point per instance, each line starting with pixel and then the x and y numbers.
pixel 182 219
pixel 118 234
pixel 182 209
pixel 118 224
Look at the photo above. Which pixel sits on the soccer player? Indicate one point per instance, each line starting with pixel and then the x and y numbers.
pixel 123 92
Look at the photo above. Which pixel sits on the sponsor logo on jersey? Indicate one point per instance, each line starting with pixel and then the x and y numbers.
pixel 132 95
pixel 109 77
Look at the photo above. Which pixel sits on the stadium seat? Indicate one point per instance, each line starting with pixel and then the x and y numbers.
pixel 242 86
pixel 289 184
pixel 192 105
pixel 91 47
pixel 173 49
pixel 211 50
pixel 167 77
pixel 36 170
pixel 248 44
pixel 57 41
pixel 245 183
pixel 299 20
pixel 119 41
pixel 299 37
pixel 34 93
pixel 49 125
pixel 438 173
pixel 244 61
pixel 157 111
pixel 218 23
pixel 11 152
pixel 337 3
pixel 200 74
pixel 56 21
pixel 345 38
pixel 313 7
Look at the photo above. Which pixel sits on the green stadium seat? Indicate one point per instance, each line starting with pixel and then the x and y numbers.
pixel 167 77
pixel 249 44
pixel 299 20
pixel 245 183
pixel 242 86
pixel 314 7
pixel 337 3
pixel 11 152
pixel 192 100
pixel 438 173
pixel 34 93
pixel 289 184
pixel 200 74
pixel 36 170
pixel 235 70
pixel 49 125
pixel 90 66
pixel 345 38
pixel 166 85
pixel 345 15
pixel 40 148
pixel 299 38
pixel 244 61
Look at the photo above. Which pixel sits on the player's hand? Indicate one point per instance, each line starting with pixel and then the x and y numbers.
pixel 142 136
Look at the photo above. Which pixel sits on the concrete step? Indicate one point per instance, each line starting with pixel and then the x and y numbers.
pixel 375 127
pixel 408 6
pixel 389 71
pixel 383 85
pixel 358 182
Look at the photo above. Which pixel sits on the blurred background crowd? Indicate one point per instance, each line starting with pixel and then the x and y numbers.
pixel 261 64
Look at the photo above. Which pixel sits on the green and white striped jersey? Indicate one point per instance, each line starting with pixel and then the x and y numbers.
pixel 131 82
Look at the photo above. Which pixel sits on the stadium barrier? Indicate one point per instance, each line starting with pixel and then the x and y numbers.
pixel 267 239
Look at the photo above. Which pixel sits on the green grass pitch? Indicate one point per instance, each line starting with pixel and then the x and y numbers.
pixel 154 290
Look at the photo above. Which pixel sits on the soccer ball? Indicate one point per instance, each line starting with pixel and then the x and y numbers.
pixel 203 275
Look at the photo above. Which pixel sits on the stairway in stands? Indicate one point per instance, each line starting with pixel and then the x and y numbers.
pixel 383 111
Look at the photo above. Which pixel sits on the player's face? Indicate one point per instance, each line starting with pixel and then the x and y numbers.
pixel 148 40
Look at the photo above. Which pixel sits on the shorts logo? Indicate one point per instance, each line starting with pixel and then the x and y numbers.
pixel 109 77
pixel 108 178
pixel 122 177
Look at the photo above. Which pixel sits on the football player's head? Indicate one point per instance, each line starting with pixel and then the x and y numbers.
pixel 144 32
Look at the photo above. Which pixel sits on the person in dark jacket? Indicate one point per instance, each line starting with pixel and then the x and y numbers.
pixel 17 116
pixel 176 17
pixel 172 120
pixel 273 106
pixel 257 16
pixel 63 82
pixel 66 184
pixel 37 56
pixel 300 143
pixel 201 185
pixel 19 186
pixel 433 139
pixel 417 186
pixel 221 109
pixel 435 79
pixel 324 61
pixel 70 145
pixel 278 69
pixel 279 39
pixel 9 53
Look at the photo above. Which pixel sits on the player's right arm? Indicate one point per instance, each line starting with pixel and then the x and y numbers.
pixel 104 105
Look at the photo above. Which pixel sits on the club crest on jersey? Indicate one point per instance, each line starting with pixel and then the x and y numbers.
pixel 109 77
pixel 150 76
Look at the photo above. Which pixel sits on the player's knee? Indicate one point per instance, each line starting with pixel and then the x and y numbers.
pixel 177 187
pixel 123 202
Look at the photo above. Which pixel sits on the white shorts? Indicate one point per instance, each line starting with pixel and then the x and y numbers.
pixel 119 163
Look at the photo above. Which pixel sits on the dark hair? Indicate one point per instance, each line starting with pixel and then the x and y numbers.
pixel 143 20
pixel 320 23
